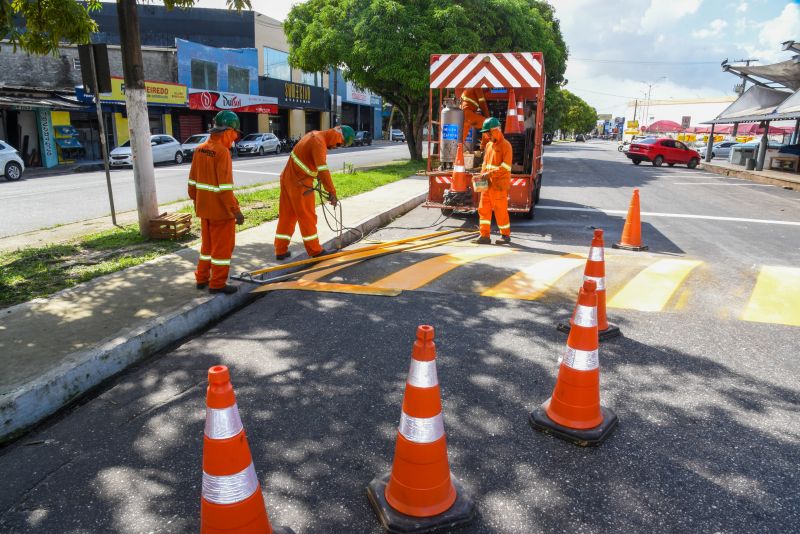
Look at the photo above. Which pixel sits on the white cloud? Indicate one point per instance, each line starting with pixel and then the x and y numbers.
pixel 714 29
pixel 784 27
pixel 742 8
pixel 661 13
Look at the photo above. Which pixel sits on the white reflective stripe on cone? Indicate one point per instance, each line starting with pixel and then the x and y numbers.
pixel 223 423
pixel 423 374
pixel 458 168
pixel 421 429
pixel 585 316
pixel 231 488
pixel 596 254
pixel 581 360
pixel 599 280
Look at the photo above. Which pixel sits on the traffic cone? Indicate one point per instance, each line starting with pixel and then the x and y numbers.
pixel 573 412
pixel 512 124
pixel 632 232
pixel 596 270
pixel 231 500
pixel 420 494
pixel 521 116
pixel 461 179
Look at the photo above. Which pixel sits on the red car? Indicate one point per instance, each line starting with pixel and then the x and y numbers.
pixel 660 151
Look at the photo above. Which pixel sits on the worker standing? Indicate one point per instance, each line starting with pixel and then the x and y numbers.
pixel 307 161
pixel 211 189
pixel 497 168
pixel 473 103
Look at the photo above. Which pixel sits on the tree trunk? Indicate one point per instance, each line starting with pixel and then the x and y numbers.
pixel 138 119
pixel 416 115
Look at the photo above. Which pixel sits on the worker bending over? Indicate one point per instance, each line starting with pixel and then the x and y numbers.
pixel 308 161
pixel 473 103
pixel 211 189
pixel 497 168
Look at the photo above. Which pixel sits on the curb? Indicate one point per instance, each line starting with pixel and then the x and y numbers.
pixel 751 176
pixel 34 401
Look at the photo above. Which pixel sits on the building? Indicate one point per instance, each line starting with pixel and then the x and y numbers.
pixel 358 107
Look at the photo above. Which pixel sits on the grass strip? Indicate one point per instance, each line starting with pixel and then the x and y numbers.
pixel 40 271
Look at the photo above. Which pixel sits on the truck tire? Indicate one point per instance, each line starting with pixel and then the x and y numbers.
pixel 537 193
pixel 528 215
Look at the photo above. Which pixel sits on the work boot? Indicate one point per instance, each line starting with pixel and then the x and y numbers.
pixel 202 285
pixel 504 240
pixel 283 256
pixel 228 289
pixel 482 241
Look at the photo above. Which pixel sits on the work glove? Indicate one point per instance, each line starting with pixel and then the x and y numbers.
pixel 239 218
pixel 333 200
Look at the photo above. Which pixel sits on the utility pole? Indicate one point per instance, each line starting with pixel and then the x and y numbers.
pixel 102 127
pixel 635 107
pixel 335 97
pixel 747 64
pixel 138 119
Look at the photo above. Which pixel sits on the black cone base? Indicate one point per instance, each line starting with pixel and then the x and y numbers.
pixel 282 530
pixel 584 438
pixel 611 332
pixel 629 247
pixel 461 513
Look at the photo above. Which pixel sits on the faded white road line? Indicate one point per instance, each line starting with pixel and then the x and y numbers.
pixel 673 215
pixel 715 183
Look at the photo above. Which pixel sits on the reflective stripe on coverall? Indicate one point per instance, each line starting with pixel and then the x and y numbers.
pixel 298 199
pixel 497 161
pixel 473 100
pixel 211 189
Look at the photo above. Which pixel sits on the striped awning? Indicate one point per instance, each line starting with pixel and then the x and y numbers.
pixel 492 70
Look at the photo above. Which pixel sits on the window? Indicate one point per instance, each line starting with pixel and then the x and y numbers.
pixel 238 80
pixel 204 74
pixel 276 64
pixel 76 63
pixel 680 145
pixel 669 143
pixel 312 78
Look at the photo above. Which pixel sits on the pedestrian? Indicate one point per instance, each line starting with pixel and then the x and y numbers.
pixel 497 169
pixel 307 162
pixel 211 189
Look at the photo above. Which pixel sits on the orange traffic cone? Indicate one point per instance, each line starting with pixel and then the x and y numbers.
pixel 512 124
pixel 596 270
pixel 461 179
pixel 573 412
pixel 521 116
pixel 231 500
pixel 632 232
pixel 420 494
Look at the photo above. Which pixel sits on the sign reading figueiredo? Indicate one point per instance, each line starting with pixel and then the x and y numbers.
pixel 217 101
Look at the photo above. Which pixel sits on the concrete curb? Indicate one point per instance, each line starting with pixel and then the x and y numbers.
pixel 790 182
pixel 85 369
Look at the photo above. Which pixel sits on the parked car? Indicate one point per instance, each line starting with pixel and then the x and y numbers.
pixel 721 149
pixel 660 151
pixel 258 143
pixel 398 135
pixel 165 148
pixel 547 138
pixel 580 138
pixel 363 137
pixel 190 145
pixel 11 164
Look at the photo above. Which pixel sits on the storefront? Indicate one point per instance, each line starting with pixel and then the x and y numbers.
pixel 205 104
pixel 301 107
pixel 360 109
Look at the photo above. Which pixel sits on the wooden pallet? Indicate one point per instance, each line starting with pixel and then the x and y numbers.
pixel 170 226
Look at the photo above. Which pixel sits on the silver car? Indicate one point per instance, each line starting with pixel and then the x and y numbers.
pixel 258 143
pixel 718 150
pixel 11 164
pixel 188 147
pixel 165 148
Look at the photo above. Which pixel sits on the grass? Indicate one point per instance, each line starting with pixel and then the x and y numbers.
pixel 40 271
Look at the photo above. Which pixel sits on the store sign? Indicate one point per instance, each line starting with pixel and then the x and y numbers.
pixel 632 125
pixel 686 120
pixel 218 101
pixel 294 95
pixel 159 93
pixel 47 143
pixel 354 94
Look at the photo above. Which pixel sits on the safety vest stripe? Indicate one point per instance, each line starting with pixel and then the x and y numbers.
pixel 423 374
pixel 223 423
pixel 311 237
pixel 585 316
pixel 203 257
pixel 283 236
pixel 215 261
pixel 421 429
pixel 192 182
pixel 322 168
pixel 303 166
pixel 482 99
pixel 599 280
pixel 581 360
pixel 468 99
pixel 212 188
pixel 230 489
pixel 504 226
pixel 490 167
pixel 484 221
pixel 506 166
pixel 226 187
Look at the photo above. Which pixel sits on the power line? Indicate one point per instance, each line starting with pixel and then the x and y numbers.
pixel 606 94
pixel 595 60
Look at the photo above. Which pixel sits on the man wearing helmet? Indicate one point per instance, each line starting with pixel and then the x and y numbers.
pixel 307 162
pixel 497 168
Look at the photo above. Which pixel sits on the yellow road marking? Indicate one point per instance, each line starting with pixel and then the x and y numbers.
pixel 329 287
pixel 776 297
pixel 533 281
pixel 424 272
pixel 651 289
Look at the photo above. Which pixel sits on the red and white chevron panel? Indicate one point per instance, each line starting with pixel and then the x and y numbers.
pixel 443 180
pixel 518 181
pixel 510 69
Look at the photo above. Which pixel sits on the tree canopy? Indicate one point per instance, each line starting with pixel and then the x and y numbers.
pixel 567 112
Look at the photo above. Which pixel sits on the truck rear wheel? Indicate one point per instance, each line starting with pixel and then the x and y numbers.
pixel 447 212
pixel 538 191
pixel 530 213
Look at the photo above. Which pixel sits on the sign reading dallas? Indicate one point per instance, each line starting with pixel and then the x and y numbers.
pixel 294 95
pixel 218 101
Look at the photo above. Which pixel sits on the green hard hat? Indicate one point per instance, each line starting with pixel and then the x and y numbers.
pixel 348 134
pixel 490 123
pixel 225 120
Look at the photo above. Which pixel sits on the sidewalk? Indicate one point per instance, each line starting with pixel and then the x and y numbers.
pixel 787 180
pixel 55 349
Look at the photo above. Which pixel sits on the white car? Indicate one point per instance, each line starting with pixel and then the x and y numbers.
pixel 165 148
pixel 721 149
pixel 258 143
pixel 188 147
pixel 11 164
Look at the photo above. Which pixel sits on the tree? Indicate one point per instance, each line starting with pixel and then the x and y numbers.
pixel 579 117
pixel 385 45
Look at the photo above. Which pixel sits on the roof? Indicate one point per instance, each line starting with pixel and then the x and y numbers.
pixel 493 70
pixel 47 102
pixel 786 73
pixel 756 104
pixel 664 126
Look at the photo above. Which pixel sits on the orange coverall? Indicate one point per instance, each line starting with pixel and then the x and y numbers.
pixel 211 189
pixel 496 162
pixel 298 201
pixel 473 100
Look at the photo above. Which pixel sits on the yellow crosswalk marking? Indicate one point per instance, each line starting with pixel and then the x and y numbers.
pixel 533 281
pixel 651 289
pixel 328 287
pixel 424 272
pixel 776 297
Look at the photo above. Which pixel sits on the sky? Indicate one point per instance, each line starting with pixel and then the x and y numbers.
pixel 618 48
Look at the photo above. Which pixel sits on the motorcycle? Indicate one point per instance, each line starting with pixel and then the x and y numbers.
pixel 621 147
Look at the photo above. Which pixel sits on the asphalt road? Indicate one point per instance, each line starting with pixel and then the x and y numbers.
pixel 36 203
pixel 707 401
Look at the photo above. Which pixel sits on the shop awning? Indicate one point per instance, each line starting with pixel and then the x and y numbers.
pixel 53 102
pixel 756 104
pixel 786 73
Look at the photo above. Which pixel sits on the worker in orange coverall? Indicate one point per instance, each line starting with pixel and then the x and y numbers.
pixel 211 189
pixel 472 102
pixel 497 168
pixel 308 161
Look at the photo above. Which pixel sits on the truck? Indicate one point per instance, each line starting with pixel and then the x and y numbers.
pixel 502 76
